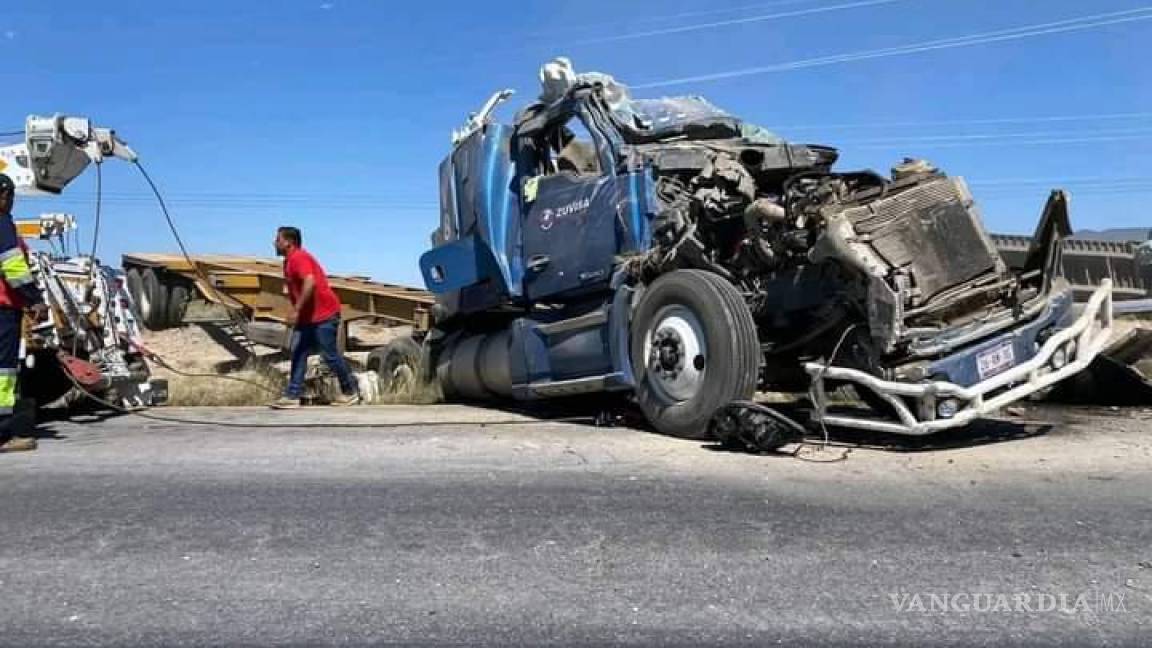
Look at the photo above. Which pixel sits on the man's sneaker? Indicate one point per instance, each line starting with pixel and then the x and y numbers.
pixel 285 402
pixel 18 444
pixel 346 400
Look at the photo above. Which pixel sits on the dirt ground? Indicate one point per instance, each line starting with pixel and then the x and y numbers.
pixel 197 363
pixel 203 372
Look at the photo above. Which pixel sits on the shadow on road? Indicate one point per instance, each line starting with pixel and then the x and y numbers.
pixel 617 411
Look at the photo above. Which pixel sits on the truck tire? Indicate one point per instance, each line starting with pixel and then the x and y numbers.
pixel 153 301
pixel 397 364
pixel 694 350
pixel 177 303
pixel 135 284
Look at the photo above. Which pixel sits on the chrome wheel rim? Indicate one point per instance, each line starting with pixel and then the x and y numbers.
pixel 675 354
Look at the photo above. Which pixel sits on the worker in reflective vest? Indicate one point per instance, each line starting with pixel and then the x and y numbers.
pixel 18 291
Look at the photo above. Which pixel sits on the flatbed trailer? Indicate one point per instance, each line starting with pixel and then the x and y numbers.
pixel 164 285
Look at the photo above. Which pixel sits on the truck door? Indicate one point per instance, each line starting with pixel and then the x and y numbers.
pixel 570 234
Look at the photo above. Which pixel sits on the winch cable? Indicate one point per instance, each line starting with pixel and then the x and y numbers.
pixel 235 315
pixel 99 208
pixel 232 311
pixel 152 355
pixel 288 424
pixel 156 358
pixel 93 267
pixel 162 362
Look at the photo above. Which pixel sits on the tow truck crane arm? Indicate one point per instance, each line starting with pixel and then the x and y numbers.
pixel 56 150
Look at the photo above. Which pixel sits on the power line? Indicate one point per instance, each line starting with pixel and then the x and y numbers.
pixel 1058 180
pixel 1086 191
pixel 972 122
pixel 727 10
pixel 599 27
pixel 667 31
pixel 1032 142
pixel 1139 132
pixel 1016 33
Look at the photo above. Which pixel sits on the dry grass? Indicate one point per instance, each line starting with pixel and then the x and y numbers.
pixel 258 387
pixel 402 389
pixel 193 351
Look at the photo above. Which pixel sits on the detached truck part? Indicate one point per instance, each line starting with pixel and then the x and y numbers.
pixel 668 249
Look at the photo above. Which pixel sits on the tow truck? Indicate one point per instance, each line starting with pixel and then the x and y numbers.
pixel 89 338
pixel 669 250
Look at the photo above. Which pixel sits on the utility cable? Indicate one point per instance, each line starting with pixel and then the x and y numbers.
pixel 668 31
pixel 552 36
pixel 1016 33
pixel 969 122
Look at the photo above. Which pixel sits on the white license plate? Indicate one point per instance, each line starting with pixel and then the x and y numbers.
pixel 995 360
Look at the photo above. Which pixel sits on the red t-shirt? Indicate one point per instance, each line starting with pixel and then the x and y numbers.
pixel 297 266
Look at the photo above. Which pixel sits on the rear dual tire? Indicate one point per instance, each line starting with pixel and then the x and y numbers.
pixel 160 304
pixel 397 364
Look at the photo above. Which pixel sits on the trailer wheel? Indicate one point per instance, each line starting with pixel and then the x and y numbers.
pixel 694 350
pixel 135 284
pixel 153 301
pixel 397 364
pixel 178 297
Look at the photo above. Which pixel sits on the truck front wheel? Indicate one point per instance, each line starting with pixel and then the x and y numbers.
pixel 694 350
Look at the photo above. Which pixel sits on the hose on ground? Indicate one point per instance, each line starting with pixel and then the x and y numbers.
pixel 290 425
pixel 160 361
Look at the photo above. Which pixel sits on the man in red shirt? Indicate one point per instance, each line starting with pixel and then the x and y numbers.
pixel 315 319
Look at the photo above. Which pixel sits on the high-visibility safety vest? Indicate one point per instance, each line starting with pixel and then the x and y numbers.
pixel 14 266
pixel 8 378
pixel 17 273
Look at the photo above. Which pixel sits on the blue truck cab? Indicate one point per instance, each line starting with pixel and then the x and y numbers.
pixel 668 249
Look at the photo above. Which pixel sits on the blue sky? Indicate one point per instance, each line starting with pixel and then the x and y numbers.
pixel 333 115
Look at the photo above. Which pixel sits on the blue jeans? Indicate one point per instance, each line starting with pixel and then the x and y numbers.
pixel 308 337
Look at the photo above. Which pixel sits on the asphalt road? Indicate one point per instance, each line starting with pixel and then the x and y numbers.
pixel 487 528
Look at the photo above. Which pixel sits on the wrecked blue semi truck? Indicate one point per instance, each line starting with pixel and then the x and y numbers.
pixel 670 250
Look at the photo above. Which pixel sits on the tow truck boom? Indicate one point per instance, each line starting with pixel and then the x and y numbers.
pixel 56 150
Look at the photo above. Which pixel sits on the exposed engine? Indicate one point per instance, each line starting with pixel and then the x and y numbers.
pixel 904 256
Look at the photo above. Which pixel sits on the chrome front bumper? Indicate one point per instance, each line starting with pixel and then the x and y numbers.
pixel 916 404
